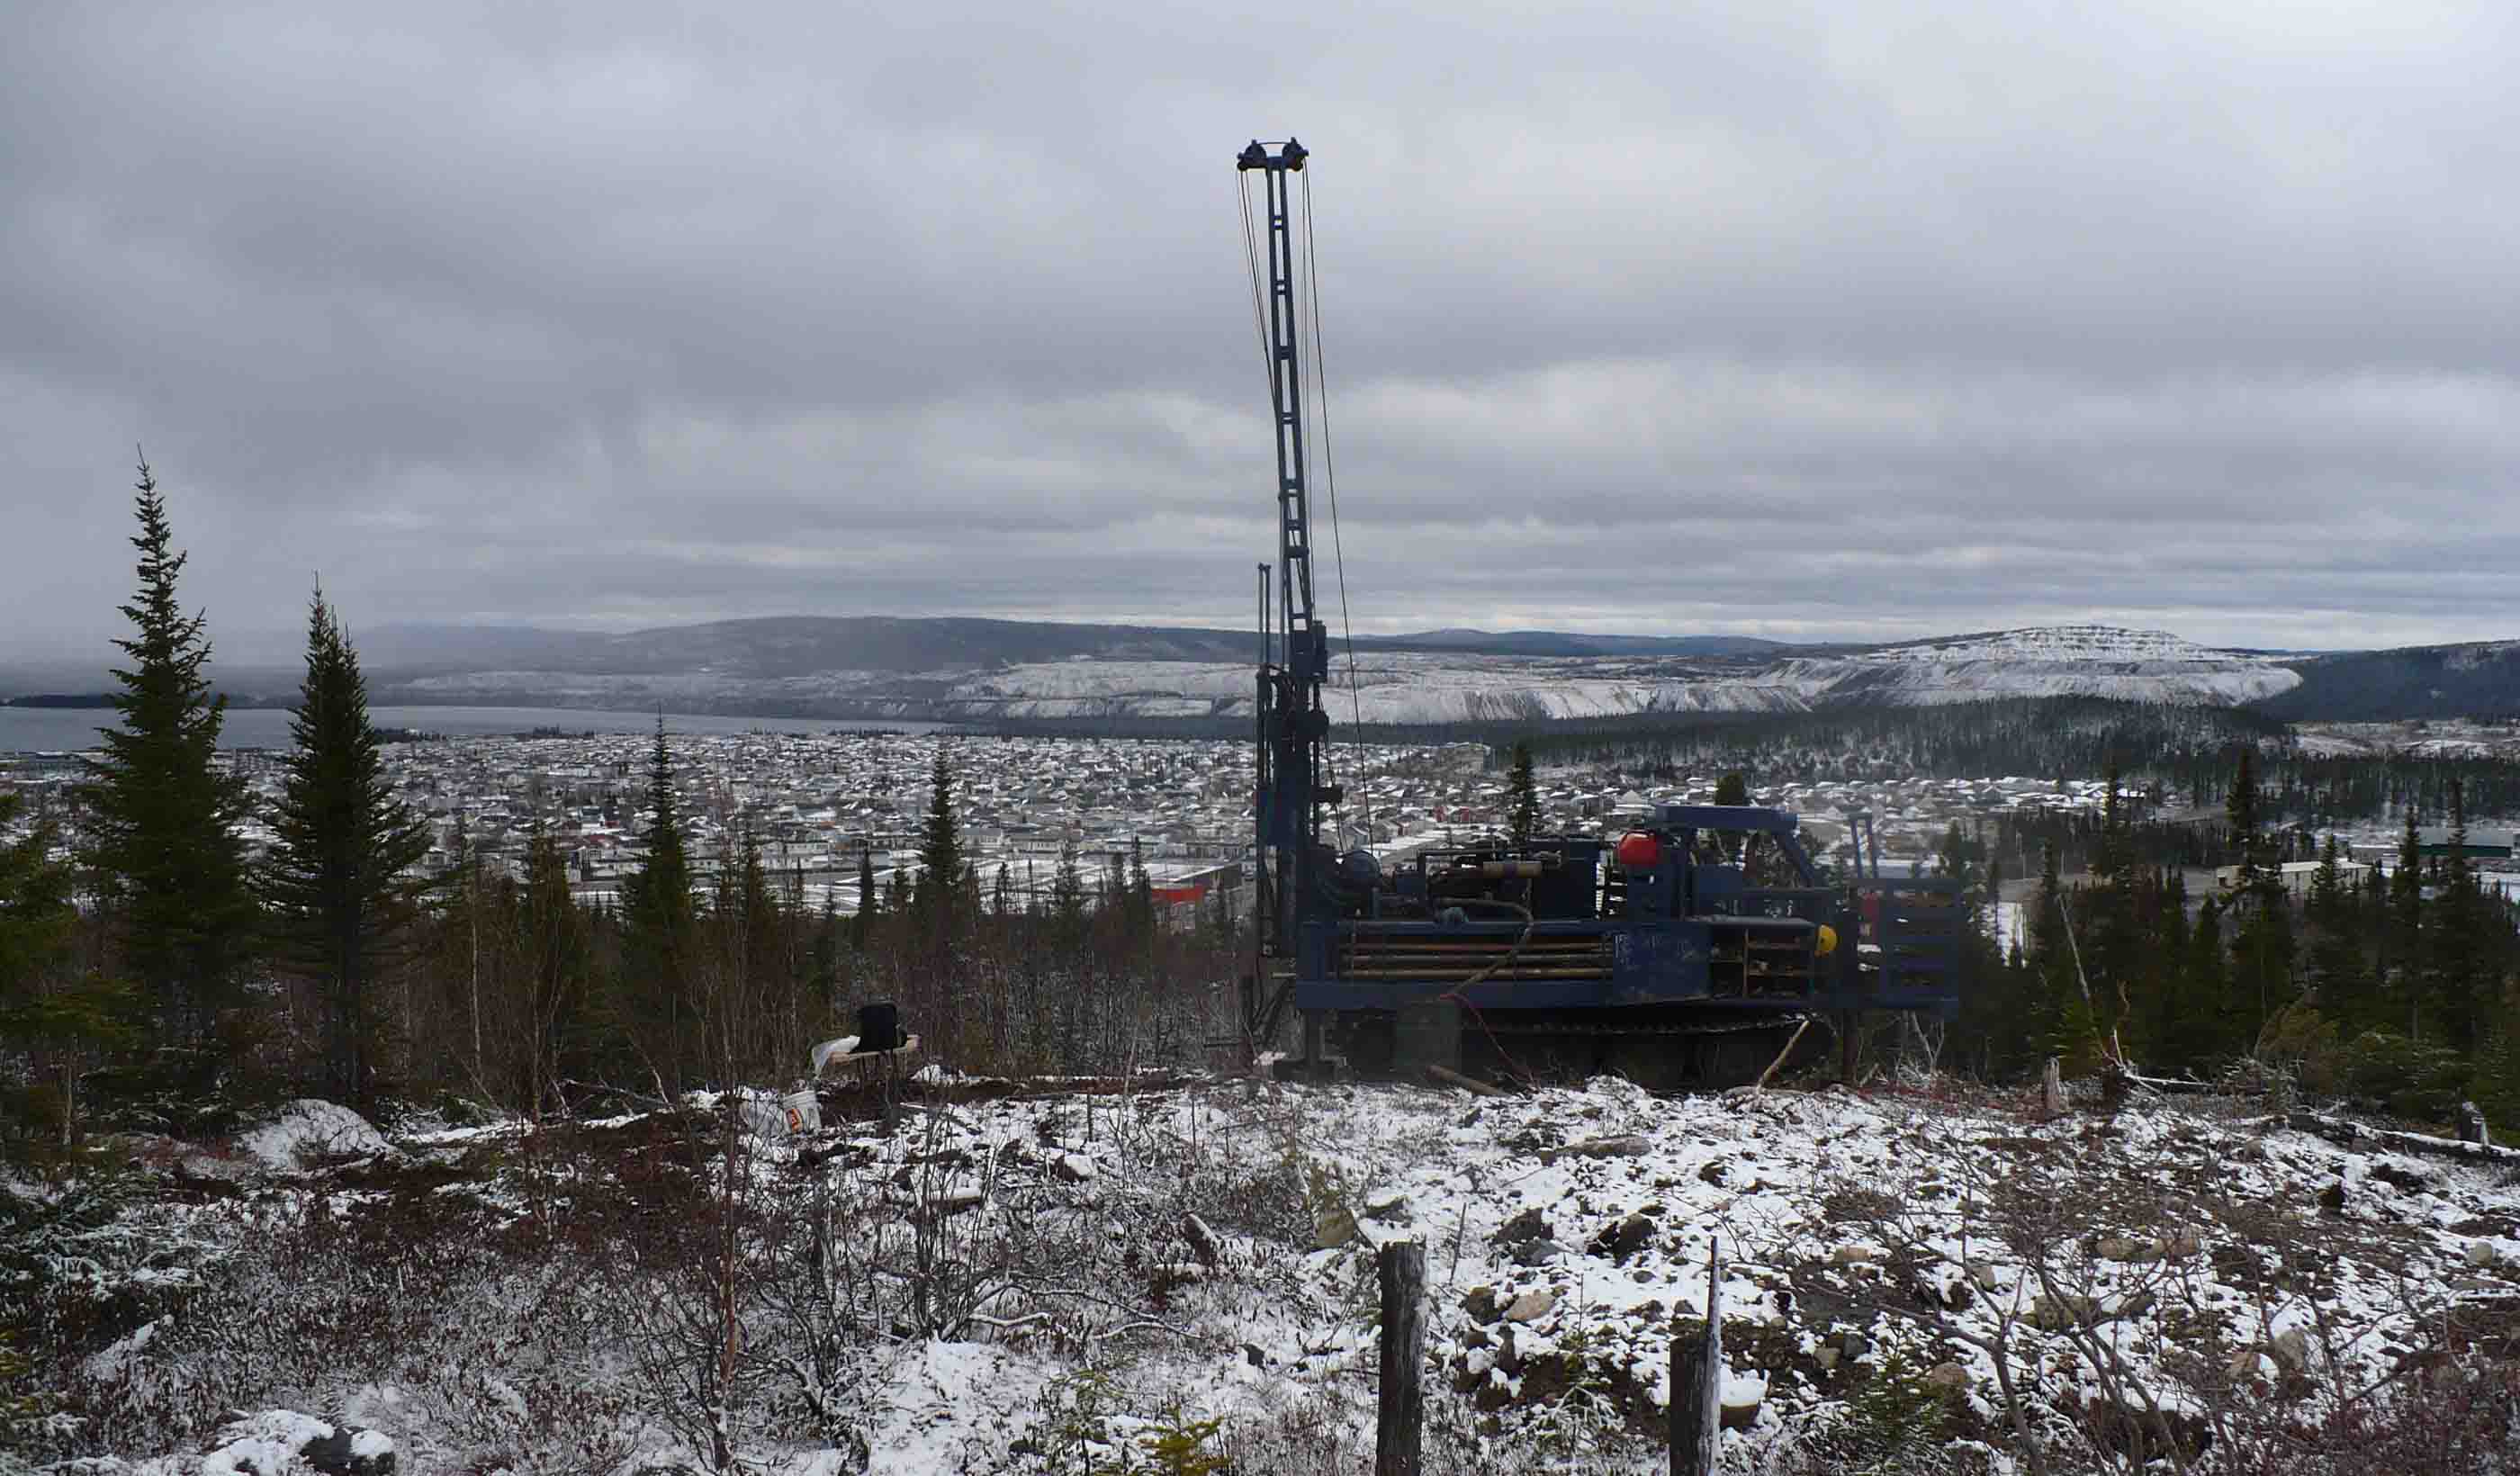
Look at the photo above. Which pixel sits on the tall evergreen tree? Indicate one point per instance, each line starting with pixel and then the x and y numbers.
pixel 658 1004
pixel 2240 814
pixel 941 860
pixel 2336 948
pixel 2463 999
pixel 559 978
pixel 341 881
pixel 1522 794
pixel 861 924
pixel 161 814
pixel 2406 929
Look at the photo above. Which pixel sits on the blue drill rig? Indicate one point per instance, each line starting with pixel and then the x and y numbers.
pixel 1689 951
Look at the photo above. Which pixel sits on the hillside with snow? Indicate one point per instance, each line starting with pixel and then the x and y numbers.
pixel 1016 1282
pixel 974 671
pixel 2091 661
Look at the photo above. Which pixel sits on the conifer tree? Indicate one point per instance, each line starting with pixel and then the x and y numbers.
pixel 559 978
pixel 1142 890
pixel 940 858
pixel 660 998
pixel 340 883
pixel 2336 950
pixel 161 814
pixel 2207 1019
pixel 2240 814
pixel 768 1017
pixel 862 925
pixel 1067 898
pixel 2461 996
pixel 1522 795
pixel 2406 929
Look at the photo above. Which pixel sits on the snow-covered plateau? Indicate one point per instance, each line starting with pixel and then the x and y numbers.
pixel 1059 1282
pixel 1404 687
pixel 1415 687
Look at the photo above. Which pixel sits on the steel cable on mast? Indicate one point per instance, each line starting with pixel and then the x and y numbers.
pixel 1330 485
pixel 1252 269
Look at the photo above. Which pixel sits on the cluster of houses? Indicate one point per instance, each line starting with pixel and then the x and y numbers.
pixel 822 807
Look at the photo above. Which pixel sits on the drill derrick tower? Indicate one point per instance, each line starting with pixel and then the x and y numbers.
pixel 1294 780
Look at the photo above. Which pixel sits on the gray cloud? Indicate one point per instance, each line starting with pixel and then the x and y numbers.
pixel 1800 320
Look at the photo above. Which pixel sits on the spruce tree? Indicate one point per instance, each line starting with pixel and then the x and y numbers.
pixel 2240 812
pixel 339 883
pixel 1067 899
pixel 2336 950
pixel 2462 999
pixel 558 979
pixel 1523 795
pixel 659 1007
pixel 2406 929
pixel 161 814
pixel 940 855
pixel 1142 890
pixel 862 922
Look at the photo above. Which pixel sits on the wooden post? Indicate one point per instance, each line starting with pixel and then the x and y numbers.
pixel 2051 1090
pixel 1698 1381
pixel 1402 1404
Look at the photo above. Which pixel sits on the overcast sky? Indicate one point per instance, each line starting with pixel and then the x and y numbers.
pixel 1795 320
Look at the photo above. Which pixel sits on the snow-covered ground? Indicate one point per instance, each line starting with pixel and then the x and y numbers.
pixel 1015 1285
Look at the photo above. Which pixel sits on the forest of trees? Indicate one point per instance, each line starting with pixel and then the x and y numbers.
pixel 198 981
pixel 2396 986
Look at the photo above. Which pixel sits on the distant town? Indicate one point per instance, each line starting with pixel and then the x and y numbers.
pixel 816 803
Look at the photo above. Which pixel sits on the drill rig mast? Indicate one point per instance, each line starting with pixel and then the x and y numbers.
pixel 1293 775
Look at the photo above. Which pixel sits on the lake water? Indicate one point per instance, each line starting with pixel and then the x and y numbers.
pixel 23 729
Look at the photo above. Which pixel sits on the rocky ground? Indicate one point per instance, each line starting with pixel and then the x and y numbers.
pixel 1010 1282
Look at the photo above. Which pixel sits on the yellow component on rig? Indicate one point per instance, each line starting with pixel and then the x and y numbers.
pixel 1826 942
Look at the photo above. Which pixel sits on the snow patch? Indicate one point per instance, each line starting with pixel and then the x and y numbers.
pixel 310 1128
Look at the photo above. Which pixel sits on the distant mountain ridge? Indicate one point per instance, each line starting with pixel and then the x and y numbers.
pixel 782 645
pixel 969 669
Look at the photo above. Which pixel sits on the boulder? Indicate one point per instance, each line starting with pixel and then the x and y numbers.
pixel 1538 1252
pixel 1947 1376
pixel 1624 1239
pixel 1531 1306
